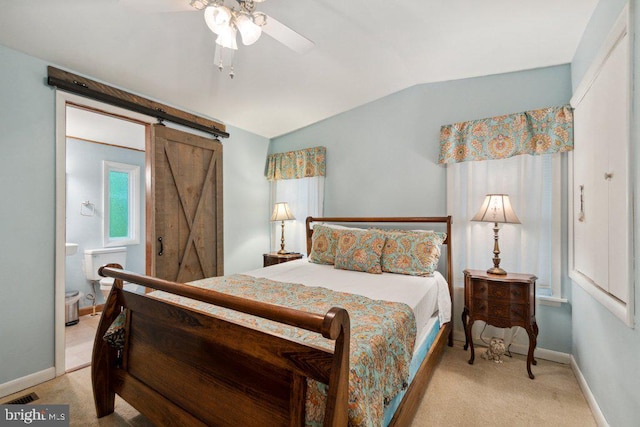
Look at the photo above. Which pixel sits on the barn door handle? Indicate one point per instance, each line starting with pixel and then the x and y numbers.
pixel 581 214
pixel 161 246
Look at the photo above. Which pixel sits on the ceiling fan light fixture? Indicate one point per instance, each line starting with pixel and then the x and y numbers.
pixel 227 38
pixel 217 20
pixel 200 4
pixel 217 29
pixel 226 22
pixel 215 15
pixel 249 31
pixel 259 18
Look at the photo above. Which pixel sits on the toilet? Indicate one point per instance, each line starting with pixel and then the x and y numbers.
pixel 96 258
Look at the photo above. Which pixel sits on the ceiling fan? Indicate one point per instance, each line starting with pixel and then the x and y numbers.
pixel 225 21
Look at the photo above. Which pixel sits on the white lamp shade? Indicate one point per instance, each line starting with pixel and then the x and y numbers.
pixel 217 29
pixel 281 212
pixel 496 208
pixel 217 15
pixel 249 31
pixel 210 14
pixel 227 38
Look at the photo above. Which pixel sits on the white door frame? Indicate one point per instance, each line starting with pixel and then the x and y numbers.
pixel 62 99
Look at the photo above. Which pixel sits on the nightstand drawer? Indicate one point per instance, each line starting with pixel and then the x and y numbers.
pixel 519 293
pixel 513 292
pixel 499 291
pixel 480 289
pixel 511 312
pixel 480 307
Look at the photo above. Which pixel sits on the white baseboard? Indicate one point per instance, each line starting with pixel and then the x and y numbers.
pixel 591 400
pixel 543 353
pixel 22 383
pixel 539 353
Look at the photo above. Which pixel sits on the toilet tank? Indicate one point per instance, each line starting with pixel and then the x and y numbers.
pixel 96 258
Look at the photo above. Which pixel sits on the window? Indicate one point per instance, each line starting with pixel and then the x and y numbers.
pixel 297 177
pixel 305 197
pixel 533 185
pixel 121 204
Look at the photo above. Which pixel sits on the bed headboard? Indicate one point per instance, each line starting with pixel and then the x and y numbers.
pixel 443 221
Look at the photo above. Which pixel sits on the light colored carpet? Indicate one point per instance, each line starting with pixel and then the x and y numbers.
pixel 74 389
pixel 501 394
pixel 459 394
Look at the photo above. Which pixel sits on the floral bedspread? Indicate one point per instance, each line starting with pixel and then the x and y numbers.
pixel 382 338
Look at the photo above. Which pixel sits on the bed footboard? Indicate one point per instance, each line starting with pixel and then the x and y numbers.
pixel 183 367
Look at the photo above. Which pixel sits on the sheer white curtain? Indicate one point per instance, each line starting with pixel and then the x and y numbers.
pixel 306 198
pixel 524 248
pixel 533 186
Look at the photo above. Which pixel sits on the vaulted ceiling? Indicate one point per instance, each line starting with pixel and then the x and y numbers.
pixel 363 50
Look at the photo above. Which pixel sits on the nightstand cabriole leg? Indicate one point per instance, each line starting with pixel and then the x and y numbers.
pixel 465 316
pixel 532 347
pixel 468 333
pixel 535 331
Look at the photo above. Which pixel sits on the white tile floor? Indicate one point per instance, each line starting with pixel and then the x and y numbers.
pixel 79 342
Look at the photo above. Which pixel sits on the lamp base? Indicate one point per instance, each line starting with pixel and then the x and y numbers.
pixel 497 270
pixel 282 251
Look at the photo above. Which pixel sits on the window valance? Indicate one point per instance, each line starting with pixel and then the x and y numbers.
pixel 297 164
pixel 543 131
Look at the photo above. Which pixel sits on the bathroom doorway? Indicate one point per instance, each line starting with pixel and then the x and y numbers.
pixel 100 149
pixel 80 203
pixel 95 143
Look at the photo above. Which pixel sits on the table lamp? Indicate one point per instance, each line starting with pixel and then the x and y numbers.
pixel 281 212
pixel 496 208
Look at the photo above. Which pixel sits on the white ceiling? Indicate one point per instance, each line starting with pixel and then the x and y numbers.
pixel 364 50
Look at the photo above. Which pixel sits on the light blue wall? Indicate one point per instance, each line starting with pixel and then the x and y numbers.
pixel 26 216
pixel 382 157
pixel 606 350
pixel 27 212
pixel 246 201
pixel 84 183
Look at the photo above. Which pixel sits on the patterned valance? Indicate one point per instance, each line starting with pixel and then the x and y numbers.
pixel 297 164
pixel 544 131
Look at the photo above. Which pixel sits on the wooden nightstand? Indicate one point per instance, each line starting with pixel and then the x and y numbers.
pixel 501 301
pixel 276 258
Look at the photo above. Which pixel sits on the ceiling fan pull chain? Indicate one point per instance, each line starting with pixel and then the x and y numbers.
pixel 232 56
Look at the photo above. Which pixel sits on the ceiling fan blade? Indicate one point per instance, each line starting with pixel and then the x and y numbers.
pixel 158 6
pixel 287 36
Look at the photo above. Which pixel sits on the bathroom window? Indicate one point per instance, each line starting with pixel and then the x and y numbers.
pixel 121 204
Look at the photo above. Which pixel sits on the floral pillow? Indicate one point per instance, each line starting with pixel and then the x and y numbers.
pixel 412 253
pixel 115 334
pixel 360 250
pixel 323 244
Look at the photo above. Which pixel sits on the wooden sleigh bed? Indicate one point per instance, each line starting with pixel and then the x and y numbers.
pixel 181 366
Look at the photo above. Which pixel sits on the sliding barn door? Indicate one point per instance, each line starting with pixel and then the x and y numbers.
pixel 184 241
